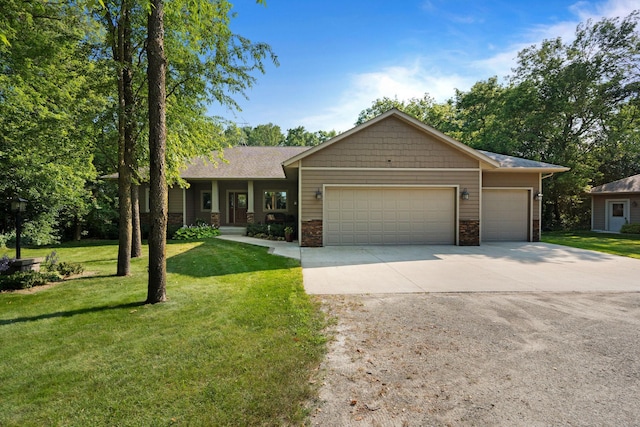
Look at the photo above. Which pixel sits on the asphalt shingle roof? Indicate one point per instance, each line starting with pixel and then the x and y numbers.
pixel 243 163
pixel 518 162
pixel 625 185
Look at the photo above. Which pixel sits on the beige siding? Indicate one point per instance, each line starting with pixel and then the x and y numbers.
pixel 312 180
pixel 599 212
pixel 514 179
pixel 390 143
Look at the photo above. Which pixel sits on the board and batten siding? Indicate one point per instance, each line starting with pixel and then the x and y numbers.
pixel 314 179
pixel 515 180
pixel 390 143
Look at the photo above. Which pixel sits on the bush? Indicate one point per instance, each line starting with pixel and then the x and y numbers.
pixel 630 229
pixel 67 269
pixel 196 232
pixel 50 262
pixel 26 280
pixel 268 231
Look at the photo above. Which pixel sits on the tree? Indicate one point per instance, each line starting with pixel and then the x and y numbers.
pixel 49 98
pixel 158 197
pixel 579 94
pixel 268 135
pixel 207 64
pixel 208 59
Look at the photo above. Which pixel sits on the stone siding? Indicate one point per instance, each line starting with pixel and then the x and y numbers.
pixel 536 230
pixel 311 233
pixel 469 233
pixel 215 219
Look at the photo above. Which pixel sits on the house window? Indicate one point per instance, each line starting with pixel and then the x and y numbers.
pixel 275 201
pixel 205 199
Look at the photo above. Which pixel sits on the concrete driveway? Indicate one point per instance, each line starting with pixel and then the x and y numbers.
pixel 492 267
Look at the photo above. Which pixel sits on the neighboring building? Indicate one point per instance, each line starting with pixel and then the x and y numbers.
pixel 615 204
pixel 391 180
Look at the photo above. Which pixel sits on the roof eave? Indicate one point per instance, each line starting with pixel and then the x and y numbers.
pixel 522 169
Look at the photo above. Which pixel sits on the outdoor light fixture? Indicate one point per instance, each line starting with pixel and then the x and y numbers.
pixel 464 195
pixel 537 196
pixel 18 205
pixel 319 194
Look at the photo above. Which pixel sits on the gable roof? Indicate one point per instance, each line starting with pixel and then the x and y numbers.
pixel 514 163
pixel 625 185
pixel 243 163
pixel 407 119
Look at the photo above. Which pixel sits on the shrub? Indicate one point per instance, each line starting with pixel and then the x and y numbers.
pixel 195 232
pixel 50 262
pixel 262 231
pixel 630 229
pixel 26 280
pixel 66 269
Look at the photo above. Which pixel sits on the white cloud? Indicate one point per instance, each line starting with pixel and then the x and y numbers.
pixel 402 82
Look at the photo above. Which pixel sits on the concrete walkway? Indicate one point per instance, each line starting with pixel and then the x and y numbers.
pixel 276 247
pixel 492 267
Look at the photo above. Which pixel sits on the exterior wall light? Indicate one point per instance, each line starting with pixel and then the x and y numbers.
pixel 537 196
pixel 464 195
pixel 319 194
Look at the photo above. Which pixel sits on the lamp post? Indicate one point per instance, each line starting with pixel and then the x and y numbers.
pixel 18 205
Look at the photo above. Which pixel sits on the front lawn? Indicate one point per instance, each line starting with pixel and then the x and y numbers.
pixel 617 244
pixel 235 344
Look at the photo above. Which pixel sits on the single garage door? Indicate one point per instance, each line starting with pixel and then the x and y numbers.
pixel 389 216
pixel 505 215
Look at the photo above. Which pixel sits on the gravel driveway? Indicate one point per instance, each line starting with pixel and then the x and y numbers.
pixel 512 359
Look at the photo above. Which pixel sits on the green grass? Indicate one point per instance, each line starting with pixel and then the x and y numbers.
pixel 235 344
pixel 617 244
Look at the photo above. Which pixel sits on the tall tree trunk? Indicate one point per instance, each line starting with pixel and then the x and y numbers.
pixel 156 75
pixel 130 129
pixel 136 243
pixel 124 170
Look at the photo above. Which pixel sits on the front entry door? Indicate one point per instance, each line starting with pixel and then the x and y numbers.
pixel 617 211
pixel 237 208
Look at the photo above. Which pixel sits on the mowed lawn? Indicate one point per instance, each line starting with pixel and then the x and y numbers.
pixel 617 244
pixel 236 344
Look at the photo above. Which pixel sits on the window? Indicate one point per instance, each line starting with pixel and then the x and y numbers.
pixel 275 201
pixel 618 209
pixel 205 197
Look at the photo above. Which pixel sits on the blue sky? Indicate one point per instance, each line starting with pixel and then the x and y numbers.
pixel 338 56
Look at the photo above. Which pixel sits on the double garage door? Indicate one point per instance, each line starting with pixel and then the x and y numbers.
pixel 389 216
pixel 505 215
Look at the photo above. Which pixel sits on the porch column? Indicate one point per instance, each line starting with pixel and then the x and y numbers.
pixel 215 204
pixel 250 204
pixel 184 207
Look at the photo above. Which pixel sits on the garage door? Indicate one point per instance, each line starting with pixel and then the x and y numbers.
pixel 389 216
pixel 505 215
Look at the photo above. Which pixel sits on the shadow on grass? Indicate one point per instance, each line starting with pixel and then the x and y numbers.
pixel 215 257
pixel 70 313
